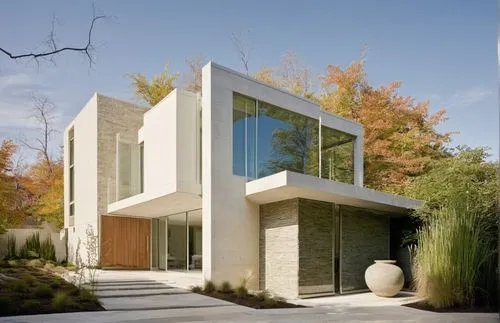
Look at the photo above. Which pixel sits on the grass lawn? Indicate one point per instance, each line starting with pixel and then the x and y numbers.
pixel 27 289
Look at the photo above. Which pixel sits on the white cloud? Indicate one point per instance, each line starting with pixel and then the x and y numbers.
pixel 469 97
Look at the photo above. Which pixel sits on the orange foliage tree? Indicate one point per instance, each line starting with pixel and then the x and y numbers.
pixel 11 204
pixel 400 138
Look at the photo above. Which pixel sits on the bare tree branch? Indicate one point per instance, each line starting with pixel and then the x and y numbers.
pixel 53 48
pixel 243 46
pixel 44 114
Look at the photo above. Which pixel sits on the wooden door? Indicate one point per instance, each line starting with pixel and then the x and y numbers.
pixel 125 242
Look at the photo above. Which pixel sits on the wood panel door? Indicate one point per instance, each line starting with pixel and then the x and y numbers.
pixel 125 242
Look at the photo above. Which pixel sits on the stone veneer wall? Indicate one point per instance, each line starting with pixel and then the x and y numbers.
pixel 113 117
pixel 315 247
pixel 279 247
pixel 364 238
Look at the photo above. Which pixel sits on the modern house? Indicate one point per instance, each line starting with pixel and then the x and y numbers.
pixel 240 181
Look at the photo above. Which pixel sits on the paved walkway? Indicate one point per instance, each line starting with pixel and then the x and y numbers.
pixel 152 297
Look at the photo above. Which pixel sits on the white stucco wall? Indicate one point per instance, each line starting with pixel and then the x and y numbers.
pixel 85 176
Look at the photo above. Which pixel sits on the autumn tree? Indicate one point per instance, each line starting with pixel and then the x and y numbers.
pixel 291 74
pixel 11 206
pixel 194 76
pixel 153 91
pixel 400 136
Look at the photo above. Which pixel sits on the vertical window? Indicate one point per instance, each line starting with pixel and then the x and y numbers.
pixel 337 155
pixel 71 144
pixel 244 136
pixel 141 165
pixel 124 170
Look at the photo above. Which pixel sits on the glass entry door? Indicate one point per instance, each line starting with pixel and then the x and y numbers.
pixel 159 243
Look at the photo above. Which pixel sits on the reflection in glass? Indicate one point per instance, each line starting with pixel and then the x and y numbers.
pixel 268 139
pixel 337 155
pixel 177 241
pixel 124 170
pixel 286 141
pixel 244 135
pixel 195 240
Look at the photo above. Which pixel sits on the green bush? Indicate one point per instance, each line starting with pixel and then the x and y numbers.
pixel 209 287
pixel 32 305
pixel 37 263
pixel 44 291
pixel 226 288
pixel 7 305
pixel 31 247
pixel 19 286
pixel 60 301
pixel 11 247
pixel 196 289
pixel 263 296
pixel 28 279
pixel 454 255
pixel 47 249
pixel 55 284
pixel 241 291
pixel 87 295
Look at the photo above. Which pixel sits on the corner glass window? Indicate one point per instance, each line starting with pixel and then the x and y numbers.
pixel 337 155
pixel 244 135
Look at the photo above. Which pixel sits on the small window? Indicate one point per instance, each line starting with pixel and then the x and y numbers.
pixel 71 148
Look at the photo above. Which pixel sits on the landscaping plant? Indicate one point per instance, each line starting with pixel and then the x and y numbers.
pixel 454 260
pixel 11 247
pixel 47 249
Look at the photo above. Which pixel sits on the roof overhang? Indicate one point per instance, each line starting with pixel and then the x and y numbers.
pixel 141 205
pixel 286 185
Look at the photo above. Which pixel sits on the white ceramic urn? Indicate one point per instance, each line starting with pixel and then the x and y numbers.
pixel 384 278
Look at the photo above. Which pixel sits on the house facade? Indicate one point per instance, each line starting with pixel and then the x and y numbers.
pixel 240 182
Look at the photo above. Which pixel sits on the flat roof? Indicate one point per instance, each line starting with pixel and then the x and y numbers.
pixel 286 185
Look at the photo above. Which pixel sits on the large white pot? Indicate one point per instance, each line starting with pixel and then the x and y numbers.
pixel 384 278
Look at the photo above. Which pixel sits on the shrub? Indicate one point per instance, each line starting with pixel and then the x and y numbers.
pixel 241 291
pixel 60 301
pixel 226 288
pixel 31 247
pixel 47 249
pixel 28 279
pixel 454 253
pixel 7 305
pixel 209 287
pixel 263 295
pixel 35 263
pixel 19 286
pixel 55 284
pixel 32 305
pixel 11 247
pixel 43 291
pixel 86 295
pixel 196 289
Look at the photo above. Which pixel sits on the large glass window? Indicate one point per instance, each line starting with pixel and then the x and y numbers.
pixel 337 155
pixel 268 139
pixel 286 141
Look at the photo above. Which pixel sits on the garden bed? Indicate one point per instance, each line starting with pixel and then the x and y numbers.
pixel 26 289
pixel 427 307
pixel 240 296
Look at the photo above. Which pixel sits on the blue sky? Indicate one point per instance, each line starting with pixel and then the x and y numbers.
pixel 442 51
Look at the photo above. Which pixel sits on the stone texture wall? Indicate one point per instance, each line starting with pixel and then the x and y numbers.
pixel 113 117
pixel 315 246
pixel 279 249
pixel 364 238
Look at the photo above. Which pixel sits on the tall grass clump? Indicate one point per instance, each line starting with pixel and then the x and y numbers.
pixel 47 249
pixel 31 247
pixel 455 253
pixel 11 247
